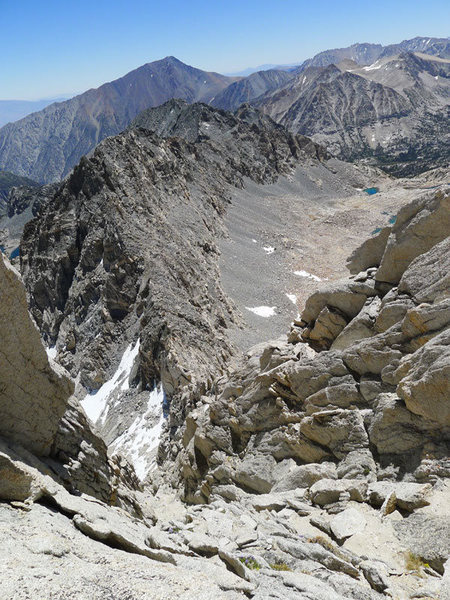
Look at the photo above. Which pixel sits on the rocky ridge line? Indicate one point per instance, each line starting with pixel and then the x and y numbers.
pixel 126 251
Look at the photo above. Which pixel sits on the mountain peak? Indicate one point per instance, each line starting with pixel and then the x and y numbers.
pixel 57 137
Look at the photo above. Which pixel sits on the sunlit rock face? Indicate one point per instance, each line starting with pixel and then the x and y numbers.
pixel 33 393
pixel 39 414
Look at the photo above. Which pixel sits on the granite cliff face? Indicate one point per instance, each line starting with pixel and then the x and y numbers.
pixel 42 424
pixel 46 145
pixel 43 393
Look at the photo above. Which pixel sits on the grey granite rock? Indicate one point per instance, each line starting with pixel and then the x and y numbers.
pixel 33 393
pixel 419 226
pixel 409 496
pixel 347 523
pixel 426 537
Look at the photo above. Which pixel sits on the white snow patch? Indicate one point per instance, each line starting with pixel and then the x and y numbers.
pixel 308 275
pixel 140 440
pixel 262 311
pixel 269 249
pixel 96 404
pixel 254 241
pixel 206 125
pixel 292 298
pixel 373 67
pixel 51 352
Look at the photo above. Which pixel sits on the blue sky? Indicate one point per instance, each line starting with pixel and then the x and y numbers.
pixel 49 48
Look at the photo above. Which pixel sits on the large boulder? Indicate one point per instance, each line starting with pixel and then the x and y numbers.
pixel 346 296
pixel 425 387
pixel 419 226
pixel 304 476
pixel 427 279
pixel 427 537
pixel 33 393
pixel 370 253
pixel 347 523
pixel 409 496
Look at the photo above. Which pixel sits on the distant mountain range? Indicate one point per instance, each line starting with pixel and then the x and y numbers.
pixel 249 88
pixel 394 111
pixel 267 67
pixel 366 54
pixel 356 101
pixel 13 110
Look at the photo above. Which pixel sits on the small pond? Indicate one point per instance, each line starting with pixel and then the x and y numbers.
pixel 371 191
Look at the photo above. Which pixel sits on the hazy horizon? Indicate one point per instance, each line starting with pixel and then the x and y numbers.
pixel 65 49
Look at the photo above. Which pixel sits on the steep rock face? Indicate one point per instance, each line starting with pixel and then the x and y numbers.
pixel 369 390
pixel 40 396
pixel 39 417
pixel 394 111
pixel 22 204
pixel 47 144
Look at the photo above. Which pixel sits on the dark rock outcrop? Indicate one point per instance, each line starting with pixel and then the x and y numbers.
pixel 23 203
pixel 8 181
